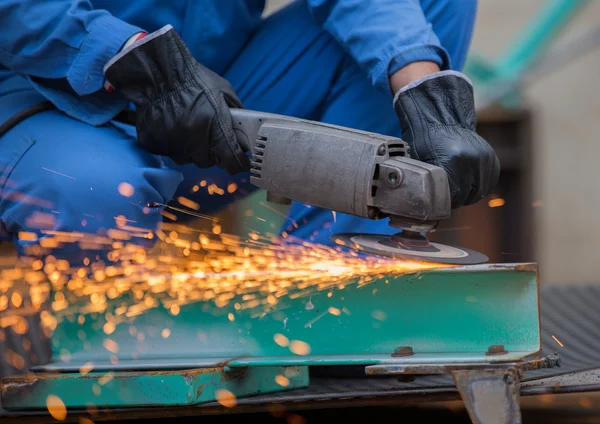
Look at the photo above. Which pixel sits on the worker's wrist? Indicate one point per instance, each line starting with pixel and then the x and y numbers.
pixel 411 73
pixel 134 38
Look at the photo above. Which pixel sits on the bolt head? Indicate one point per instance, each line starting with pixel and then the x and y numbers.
pixel 381 150
pixel 403 351
pixel 496 350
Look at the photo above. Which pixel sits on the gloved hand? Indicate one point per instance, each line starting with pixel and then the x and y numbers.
pixel 182 108
pixel 437 117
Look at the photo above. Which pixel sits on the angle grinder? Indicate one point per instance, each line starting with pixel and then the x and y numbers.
pixel 355 172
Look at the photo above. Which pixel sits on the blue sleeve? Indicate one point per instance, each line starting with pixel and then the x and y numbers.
pixel 62 47
pixel 381 35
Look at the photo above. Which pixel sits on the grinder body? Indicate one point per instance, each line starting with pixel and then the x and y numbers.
pixel 354 172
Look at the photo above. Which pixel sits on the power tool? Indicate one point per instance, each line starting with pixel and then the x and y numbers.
pixel 354 172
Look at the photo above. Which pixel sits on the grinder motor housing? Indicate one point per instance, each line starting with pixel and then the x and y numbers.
pixel 345 170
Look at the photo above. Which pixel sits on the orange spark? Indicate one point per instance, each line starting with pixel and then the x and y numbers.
pixel 226 398
pixel 496 203
pixel 299 347
pixel 557 341
pixel 125 189
pixel 56 407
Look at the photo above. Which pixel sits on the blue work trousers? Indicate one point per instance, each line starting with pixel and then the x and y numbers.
pixel 53 165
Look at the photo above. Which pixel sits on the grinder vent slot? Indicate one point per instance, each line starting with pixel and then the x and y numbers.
pixel 396 149
pixel 257 154
pixel 375 178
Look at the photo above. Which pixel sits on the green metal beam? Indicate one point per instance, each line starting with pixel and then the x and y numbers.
pixel 143 388
pixel 450 310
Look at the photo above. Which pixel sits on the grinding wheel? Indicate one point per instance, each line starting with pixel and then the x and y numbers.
pixel 409 245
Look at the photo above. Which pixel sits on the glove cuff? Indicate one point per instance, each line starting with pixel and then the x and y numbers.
pixel 132 40
pixel 426 78
pixel 139 40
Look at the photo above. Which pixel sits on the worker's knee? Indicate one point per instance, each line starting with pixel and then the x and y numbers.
pixel 93 183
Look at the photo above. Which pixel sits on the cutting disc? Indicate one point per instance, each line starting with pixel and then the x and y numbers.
pixel 409 245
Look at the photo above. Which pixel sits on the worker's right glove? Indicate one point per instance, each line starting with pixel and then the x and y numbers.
pixel 182 107
pixel 437 117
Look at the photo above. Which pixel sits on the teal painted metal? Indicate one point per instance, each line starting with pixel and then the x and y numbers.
pixel 530 45
pixel 146 389
pixel 537 36
pixel 451 310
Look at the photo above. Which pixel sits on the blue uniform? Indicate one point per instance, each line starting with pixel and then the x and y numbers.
pixel 326 60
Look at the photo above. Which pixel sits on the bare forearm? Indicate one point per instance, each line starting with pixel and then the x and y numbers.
pixel 412 72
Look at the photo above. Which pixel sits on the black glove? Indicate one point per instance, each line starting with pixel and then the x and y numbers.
pixel 182 108
pixel 437 116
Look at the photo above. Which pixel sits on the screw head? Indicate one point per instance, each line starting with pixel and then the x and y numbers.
pixel 381 150
pixel 403 351
pixel 496 350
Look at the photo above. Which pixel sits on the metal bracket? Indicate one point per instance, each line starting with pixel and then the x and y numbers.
pixel 491 396
pixel 490 391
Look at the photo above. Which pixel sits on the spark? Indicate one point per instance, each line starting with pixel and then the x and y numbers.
pixel 257 276
pixel 197 215
pixel 16 299
pixel 57 173
pixel 334 311
pixel 294 223
pixel 281 340
pixel 557 341
pixel 111 345
pixel 299 347
pixel 213 188
pixel 231 188
pixel 188 203
pixel 86 368
pixel 27 236
pixel 226 398
pixel 106 378
pixel 282 380
pixel 56 407
pixel 334 216
pixel 125 189
pixel 496 203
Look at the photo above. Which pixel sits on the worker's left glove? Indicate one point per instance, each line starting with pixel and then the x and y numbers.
pixel 182 107
pixel 437 117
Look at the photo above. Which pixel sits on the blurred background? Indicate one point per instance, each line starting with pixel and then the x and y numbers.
pixel 535 65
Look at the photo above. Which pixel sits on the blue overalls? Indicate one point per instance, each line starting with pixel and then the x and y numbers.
pixel 323 60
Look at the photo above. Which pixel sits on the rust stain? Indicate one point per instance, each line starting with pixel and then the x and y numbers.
pixel 199 390
pixel 527 267
pixel 18 382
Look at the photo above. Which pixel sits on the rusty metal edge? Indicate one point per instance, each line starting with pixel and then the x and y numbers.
pixel 501 267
